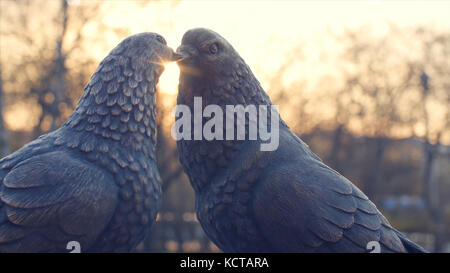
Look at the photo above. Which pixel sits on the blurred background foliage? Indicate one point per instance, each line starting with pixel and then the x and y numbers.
pixel 370 95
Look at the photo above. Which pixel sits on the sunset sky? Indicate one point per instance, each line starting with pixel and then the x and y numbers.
pixel 263 31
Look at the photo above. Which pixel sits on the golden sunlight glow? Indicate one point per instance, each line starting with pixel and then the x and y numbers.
pixel 18 119
pixel 168 82
pixel 264 32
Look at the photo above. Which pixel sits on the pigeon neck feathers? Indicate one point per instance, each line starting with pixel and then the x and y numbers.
pixel 118 103
pixel 233 85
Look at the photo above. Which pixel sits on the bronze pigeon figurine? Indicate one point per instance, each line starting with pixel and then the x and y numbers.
pixel 254 200
pixel 94 180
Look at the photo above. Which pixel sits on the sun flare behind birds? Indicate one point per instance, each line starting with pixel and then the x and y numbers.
pixel 168 82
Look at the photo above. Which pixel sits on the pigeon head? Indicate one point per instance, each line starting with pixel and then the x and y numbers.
pixel 206 54
pixel 211 68
pixel 118 103
pixel 147 46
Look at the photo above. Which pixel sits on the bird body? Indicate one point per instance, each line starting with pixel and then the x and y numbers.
pixel 249 200
pixel 94 180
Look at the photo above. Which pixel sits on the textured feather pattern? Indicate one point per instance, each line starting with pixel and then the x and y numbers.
pixel 105 151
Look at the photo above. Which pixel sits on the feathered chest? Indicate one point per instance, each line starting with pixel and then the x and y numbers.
pixel 224 206
pixel 139 197
pixel 136 175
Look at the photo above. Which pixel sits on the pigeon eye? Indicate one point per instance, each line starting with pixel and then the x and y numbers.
pixel 161 40
pixel 214 48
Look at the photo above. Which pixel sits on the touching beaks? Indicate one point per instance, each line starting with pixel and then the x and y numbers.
pixel 185 51
pixel 178 56
pixel 181 53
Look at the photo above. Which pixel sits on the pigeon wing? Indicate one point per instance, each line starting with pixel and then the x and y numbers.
pixel 51 199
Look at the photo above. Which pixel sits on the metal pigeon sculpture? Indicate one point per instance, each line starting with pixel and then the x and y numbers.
pixel 94 180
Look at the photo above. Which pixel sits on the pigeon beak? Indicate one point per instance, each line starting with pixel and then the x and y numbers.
pixel 184 52
pixel 178 56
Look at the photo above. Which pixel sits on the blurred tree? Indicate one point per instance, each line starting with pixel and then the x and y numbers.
pixel 376 78
pixel 432 68
pixel 57 84
pixel 52 73
pixel 4 142
pixel 293 99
